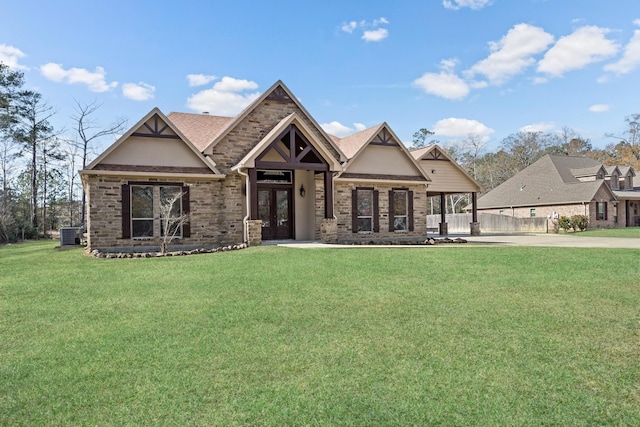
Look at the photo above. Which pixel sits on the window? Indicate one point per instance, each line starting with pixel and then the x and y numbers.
pixel 400 210
pixel 532 213
pixel 614 181
pixel 364 210
pixel 142 212
pixel 601 211
pixel 170 210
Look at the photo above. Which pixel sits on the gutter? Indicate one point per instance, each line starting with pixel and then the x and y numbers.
pixel 248 202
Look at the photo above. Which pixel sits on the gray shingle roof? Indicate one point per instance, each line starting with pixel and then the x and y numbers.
pixel 549 181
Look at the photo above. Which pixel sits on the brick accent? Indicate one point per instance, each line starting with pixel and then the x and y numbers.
pixel 254 232
pixel 329 230
pixel 216 212
pixel 343 206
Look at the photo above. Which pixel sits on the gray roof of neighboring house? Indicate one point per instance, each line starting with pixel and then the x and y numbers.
pixel 549 181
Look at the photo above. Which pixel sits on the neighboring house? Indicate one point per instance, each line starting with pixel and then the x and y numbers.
pixel 557 186
pixel 270 173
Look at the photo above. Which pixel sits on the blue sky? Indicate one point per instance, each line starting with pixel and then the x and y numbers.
pixel 458 67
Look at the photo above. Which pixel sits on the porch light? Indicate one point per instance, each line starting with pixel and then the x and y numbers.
pixel 302 190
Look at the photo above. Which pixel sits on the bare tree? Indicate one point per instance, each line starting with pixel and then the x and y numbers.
pixel 89 131
pixel 171 217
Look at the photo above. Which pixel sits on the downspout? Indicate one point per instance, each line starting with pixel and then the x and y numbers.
pixel 248 201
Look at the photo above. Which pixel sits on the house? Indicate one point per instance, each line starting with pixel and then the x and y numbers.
pixel 270 173
pixel 557 186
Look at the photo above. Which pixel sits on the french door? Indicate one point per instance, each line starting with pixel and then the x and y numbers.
pixel 275 209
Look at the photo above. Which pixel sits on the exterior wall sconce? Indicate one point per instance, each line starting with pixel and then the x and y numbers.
pixel 302 191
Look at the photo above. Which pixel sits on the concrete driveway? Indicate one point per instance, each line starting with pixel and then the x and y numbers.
pixel 555 240
pixel 550 240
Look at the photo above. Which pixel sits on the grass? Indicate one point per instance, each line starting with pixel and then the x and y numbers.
pixel 282 336
pixel 624 232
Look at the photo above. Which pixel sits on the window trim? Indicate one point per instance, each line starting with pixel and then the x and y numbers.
pixel 601 216
pixel 153 212
pixel 408 213
pixel 375 219
pixel 532 213
pixel 126 207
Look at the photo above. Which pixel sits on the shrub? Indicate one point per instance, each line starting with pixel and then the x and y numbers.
pixel 564 223
pixel 579 222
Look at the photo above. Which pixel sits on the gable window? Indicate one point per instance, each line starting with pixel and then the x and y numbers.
pixel 143 207
pixel 614 181
pixel 601 211
pixel 400 210
pixel 532 212
pixel 364 210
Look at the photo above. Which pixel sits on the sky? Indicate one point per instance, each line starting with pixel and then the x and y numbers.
pixel 487 68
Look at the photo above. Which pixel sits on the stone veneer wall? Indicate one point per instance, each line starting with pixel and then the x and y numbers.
pixel 343 204
pixel 216 211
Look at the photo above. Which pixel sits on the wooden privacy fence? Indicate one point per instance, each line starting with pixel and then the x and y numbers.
pixel 489 223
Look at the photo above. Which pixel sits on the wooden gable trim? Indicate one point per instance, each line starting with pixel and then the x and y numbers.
pixel 156 131
pixel 383 138
pixel 291 160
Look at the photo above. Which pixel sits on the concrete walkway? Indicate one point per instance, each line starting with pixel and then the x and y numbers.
pixel 550 240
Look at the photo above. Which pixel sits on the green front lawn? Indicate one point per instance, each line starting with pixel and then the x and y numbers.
pixel 282 336
pixel 626 232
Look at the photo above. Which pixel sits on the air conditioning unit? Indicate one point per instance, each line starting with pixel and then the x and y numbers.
pixel 69 236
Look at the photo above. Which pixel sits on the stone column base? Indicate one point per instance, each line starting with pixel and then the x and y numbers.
pixel 475 228
pixel 329 230
pixel 443 228
pixel 254 232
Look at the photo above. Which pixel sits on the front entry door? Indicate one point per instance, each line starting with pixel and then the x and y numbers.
pixel 275 209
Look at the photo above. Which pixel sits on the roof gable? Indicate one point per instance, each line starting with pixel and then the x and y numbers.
pixel 261 149
pixel 277 92
pixel 154 142
pixel 377 152
pixel 445 172
pixel 547 181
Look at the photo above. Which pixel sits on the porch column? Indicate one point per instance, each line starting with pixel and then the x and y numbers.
pixel 475 225
pixel 252 193
pixel 444 229
pixel 328 194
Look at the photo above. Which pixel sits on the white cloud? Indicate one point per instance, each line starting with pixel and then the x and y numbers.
pixel 445 84
pixel 538 127
pixel 375 35
pixel 462 128
pixel 199 79
pixel 95 81
pixel 349 27
pixel 471 4
pixel 371 31
pixel 577 50
pixel 340 130
pixel 138 92
pixel 631 56
pixel 599 108
pixel 10 56
pixel 225 98
pixel 512 54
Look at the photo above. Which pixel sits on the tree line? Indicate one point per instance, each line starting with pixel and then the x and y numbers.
pixel 40 189
pixel 521 149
